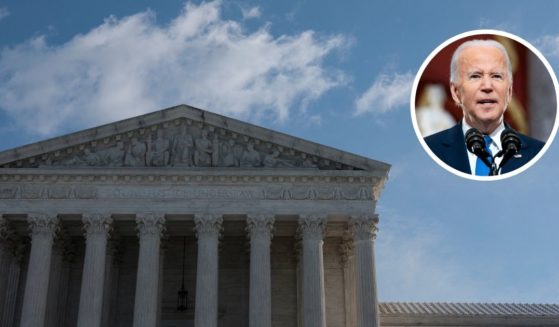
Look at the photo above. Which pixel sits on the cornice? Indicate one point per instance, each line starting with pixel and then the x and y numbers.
pixel 177 176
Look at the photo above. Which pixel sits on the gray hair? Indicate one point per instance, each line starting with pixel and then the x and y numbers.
pixel 479 43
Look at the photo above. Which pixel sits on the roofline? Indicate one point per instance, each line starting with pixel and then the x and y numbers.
pixel 469 309
pixel 199 115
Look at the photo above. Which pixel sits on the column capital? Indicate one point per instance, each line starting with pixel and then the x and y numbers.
pixel 363 227
pixel 312 227
pixel 208 224
pixel 44 224
pixel 97 223
pixel 150 224
pixel 260 224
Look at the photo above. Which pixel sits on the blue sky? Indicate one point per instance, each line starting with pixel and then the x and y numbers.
pixel 304 68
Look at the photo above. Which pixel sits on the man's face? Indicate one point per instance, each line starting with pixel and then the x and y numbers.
pixel 482 90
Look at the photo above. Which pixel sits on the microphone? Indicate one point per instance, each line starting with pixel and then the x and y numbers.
pixel 510 142
pixel 475 142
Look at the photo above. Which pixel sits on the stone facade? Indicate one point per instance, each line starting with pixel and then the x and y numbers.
pixel 102 217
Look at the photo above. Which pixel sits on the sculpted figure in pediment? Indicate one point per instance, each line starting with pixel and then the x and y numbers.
pixel 229 157
pixel 88 158
pixel 91 158
pixel 114 156
pixel 238 150
pixel 204 149
pixel 251 157
pixel 216 152
pixel 158 151
pixel 136 154
pixel 181 154
pixel 308 163
pixel 273 160
pixel 72 161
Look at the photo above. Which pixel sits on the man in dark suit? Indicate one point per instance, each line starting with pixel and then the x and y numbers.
pixel 480 84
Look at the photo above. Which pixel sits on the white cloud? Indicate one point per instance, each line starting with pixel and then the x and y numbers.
pixel 131 66
pixel 387 93
pixel 4 12
pixel 549 45
pixel 253 12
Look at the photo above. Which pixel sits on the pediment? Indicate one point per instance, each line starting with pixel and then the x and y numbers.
pixel 184 137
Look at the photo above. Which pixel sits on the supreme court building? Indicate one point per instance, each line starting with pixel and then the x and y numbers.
pixel 183 217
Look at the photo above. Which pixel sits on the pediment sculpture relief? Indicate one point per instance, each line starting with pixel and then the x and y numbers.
pixel 182 145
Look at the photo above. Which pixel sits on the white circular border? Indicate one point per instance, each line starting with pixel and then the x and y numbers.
pixel 430 58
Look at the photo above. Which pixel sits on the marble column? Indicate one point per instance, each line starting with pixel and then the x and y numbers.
pixel 311 229
pixel 348 265
pixel 43 227
pixel 111 280
pixel 68 257
pixel 57 281
pixel 97 228
pixel 150 229
pixel 364 230
pixel 298 249
pixel 13 286
pixel 5 258
pixel 259 229
pixel 208 228
pixel 162 253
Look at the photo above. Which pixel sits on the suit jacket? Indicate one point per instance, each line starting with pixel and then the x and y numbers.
pixel 450 146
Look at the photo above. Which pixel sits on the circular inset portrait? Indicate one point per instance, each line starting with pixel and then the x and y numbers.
pixel 484 105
